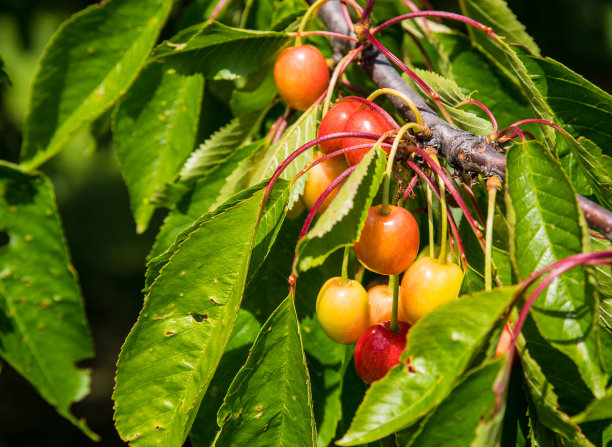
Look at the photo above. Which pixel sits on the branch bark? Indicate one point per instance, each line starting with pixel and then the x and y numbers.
pixel 462 149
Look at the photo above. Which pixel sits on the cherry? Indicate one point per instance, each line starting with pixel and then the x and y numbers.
pixel 503 345
pixel 381 301
pixel 378 350
pixel 427 284
pixel 301 76
pixel 367 121
pixel 343 310
pixel 319 178
pixel 334 121
pixel 388 244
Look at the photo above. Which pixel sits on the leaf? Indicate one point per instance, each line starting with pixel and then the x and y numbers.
pixel 269 401
pixel 573 99
pixel 451 95
pixel 91 60
pixel 545 402
pixel 327 363
pixel 219 51
pixel 342 221
pixel 439 347
pixel 236 352
pixel 473 71
pixel 4 79
pixel 496 14
pixel 547 225
pixel 194 292
pixel 208 193
pixel 598 409
pixel 455 420
pixel 218 147
pixel 43 330
pixel 300 133
pixel 604 279
pixel 596 167
pixel 155 128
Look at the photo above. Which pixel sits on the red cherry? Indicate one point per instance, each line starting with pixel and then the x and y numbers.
pixel 301 76
pixel 388 244
pixel 367 121
pixel 378 350
pixel 334 121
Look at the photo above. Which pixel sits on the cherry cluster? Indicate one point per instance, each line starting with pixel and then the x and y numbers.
pixel 376 320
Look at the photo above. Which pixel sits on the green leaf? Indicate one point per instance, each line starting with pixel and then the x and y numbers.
pixel 604 279
pixel 220 52
pixel 545 400
pixel 155 128
pixel 573 99
pixel 596 167
pixel 439 347
pixel 547 225
pixel 451 95
pixel 236 352
pixel 194 292
pixel 454 422
pixel 497 15
pixel 218 147
pixel 208 193
pixel 91 60
pixel 598 409
pixel 269 401
pixel 474 72
pixel 4 79
pixel 300 133
pixel 342 221
pixel 43 331
pixel 327 363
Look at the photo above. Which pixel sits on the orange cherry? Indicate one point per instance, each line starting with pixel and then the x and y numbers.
pixel 381 302
pixel 388 244
pixel 319 178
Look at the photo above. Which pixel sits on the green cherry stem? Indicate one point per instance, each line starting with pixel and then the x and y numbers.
pixel 312 11
pixel 394 286
pixel 430 222
pixel 344 279
pixel 384 209
pixel 493 185
pixel 444 232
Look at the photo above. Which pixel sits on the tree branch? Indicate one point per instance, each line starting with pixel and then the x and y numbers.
pixel 462 149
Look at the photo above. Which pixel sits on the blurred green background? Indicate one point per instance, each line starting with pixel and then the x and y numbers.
pixel 107 252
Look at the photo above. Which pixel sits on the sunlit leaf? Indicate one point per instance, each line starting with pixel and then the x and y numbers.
pixel 155 129
pixel 193 295
pixel 92 59
pixel 219 51
pixel 547 225
pixel 269 401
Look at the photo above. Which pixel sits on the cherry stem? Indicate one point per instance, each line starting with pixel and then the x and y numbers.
pixel 451 219
pixel 384 209
pixel 312 11
pixel 394 287
pixel 283 124
pixel 440 14
pixel 355 6
pixel 415 8
pixel 347 16
pixel 472 197
pixel 515 126
pixel 493 185
pixel 410 188
pixel 322 33
pixel 408 101
pixel 483 107
pixel 345 260
pixel 367 10
pixel 324 157
pixel 218 7
pixel 430 222
pixel 444 232
pixel 392 57
pixel 338 71
pixel 556 269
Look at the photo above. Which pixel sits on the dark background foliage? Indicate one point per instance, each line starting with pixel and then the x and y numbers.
pixel 93 201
